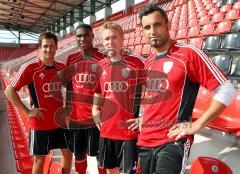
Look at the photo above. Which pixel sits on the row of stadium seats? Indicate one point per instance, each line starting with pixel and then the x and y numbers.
pixel 19 132
pixel 229 120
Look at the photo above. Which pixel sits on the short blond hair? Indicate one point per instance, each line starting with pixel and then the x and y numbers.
pixel 111 25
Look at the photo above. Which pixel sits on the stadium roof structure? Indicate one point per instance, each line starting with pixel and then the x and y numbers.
pixel 35 16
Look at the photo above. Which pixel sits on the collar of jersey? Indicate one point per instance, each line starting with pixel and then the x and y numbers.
pixel 42 64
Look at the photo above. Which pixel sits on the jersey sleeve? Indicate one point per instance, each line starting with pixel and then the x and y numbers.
pixel 22 78
pixel 202 70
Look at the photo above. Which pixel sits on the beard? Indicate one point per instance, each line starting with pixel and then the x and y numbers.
pixel 155 43
pixel 111 52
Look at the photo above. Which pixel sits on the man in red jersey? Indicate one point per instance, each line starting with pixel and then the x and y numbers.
pixel 45 133
pixel 82 69
pixel 173 76
pixel 119 85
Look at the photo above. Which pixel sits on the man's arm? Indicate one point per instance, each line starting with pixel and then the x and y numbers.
pixel 14 98
pixel 222 98
pixel 95 109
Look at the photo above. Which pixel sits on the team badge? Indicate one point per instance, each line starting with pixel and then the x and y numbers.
pixel 94 67
pixel 41 75
pixel 75 65
pixel 167 66
pixel 125 72
pixel 60 74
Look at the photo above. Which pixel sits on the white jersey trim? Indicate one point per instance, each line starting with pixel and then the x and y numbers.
pixel 21 70
pixel 215 71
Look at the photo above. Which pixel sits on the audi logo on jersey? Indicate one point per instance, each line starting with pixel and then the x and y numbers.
pixel 157 84
pixel 85 78
pixel 52 87
pixel 116 86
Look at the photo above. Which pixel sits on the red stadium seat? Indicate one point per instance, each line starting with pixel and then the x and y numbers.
pixel 218 17
pixel 202 13
pixel 209 6
pixel 197 42
pixel 223 27
pixel 174 26
pixel 192 15
pixel 193 32
pixel 125 42
pixel 225 8
pixel 192 23
pixel 172 34
pixel 131 41
pixel 204 20
pixel 208 29
pixel 175 19
pixel 182 25
pixel 213 11
pixel 24 165
pixel 181 34
pixel 138 49
pixel 208 165
pixel 236 5
pixel 137 41
pixel 232 14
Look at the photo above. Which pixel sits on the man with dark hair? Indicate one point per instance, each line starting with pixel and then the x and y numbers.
pixel 174 73
pixel 37 75
pixel 84 135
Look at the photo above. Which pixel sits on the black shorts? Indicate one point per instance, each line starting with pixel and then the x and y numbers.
pixel 169 158
pixel 42 141
pixel 118 153
pixel 84 140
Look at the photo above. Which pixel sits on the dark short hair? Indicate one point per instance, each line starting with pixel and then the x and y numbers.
pixel 150 8
pixel 47 35
pixel 85 26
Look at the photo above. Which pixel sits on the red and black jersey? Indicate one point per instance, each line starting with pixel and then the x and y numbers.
pixel 119 85
pixel 172 83
pixel 83 82
pixel 38 78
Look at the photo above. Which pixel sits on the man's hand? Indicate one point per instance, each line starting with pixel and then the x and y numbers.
pixel 66 111
pixel 135 124
pixel 96 118
pixel 36 112
pixel 182 129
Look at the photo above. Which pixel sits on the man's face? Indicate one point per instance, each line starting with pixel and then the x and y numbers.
pixel 48 49
pixel 155 29
pixel 84 38
pixel 112 41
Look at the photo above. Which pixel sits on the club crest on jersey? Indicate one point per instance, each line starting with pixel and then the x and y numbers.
pixel 167 66
pixel 125 72
pixel 60 74
pixel 94 67
pixel 75 65
pixel 41 75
